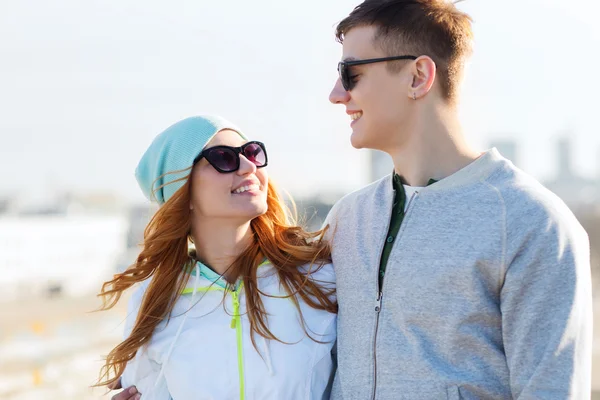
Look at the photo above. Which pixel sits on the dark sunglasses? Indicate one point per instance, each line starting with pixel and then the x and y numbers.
pixel 344 68
pixel 226 159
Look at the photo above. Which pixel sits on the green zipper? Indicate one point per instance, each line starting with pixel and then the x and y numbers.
pixel 236 323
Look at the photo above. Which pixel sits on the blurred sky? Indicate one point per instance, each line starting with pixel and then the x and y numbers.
pixel 86 85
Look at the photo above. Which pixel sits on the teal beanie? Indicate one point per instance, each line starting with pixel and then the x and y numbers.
pixel 175 149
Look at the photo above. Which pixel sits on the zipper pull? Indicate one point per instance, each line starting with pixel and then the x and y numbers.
pixel 236 310
pixel 378 306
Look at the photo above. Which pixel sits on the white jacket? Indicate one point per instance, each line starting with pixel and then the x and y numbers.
pixel 205 351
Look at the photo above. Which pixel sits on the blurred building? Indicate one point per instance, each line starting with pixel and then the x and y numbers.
pixel 573 189
pixel 312 212
pixel 5 204
pixel 138 217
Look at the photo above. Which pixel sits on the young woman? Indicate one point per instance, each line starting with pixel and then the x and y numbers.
pixel 250 313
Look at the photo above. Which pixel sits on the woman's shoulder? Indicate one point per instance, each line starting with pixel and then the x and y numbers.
pixel 322 273
pixel 138 290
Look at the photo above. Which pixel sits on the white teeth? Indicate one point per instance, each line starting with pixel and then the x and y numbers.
pixel 243 189
pixel 356 116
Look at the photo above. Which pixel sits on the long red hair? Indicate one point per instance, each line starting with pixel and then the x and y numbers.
pixel 164 257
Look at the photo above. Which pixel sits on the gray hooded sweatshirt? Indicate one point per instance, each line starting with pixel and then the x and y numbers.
pixel 487 293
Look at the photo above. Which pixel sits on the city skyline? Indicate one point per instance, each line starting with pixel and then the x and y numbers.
pixel 567 182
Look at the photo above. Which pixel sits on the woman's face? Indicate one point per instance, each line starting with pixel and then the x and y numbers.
pixel 239 195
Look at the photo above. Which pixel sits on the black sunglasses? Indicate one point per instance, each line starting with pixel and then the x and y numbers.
pixel 226 159
pixel 344 66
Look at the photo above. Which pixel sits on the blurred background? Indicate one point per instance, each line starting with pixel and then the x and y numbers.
pixel 86 85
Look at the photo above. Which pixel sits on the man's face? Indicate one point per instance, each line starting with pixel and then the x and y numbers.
pixel 379 102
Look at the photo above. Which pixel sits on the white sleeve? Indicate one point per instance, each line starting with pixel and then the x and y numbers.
pixel 323 370
pixel 142 371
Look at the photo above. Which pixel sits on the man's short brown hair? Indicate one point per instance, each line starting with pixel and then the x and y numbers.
pixel 435 28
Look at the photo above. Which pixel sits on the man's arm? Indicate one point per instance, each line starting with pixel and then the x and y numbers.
pixel 546 306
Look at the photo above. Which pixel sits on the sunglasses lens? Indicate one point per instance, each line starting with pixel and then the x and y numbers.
pixel 255 154
pixel 344 76
pixel 223 158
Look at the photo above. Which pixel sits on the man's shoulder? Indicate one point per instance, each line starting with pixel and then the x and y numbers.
pixel 363 195
pixel 346 209
pixel 528 202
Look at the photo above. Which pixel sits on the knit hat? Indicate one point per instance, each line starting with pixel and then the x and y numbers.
pixel 175 149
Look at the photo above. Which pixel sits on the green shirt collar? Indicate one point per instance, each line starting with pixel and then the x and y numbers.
pixel 399 181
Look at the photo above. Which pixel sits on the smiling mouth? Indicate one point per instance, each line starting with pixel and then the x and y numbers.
pixel 356 116
pixel 247 188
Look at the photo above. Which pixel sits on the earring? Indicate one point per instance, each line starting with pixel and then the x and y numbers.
pixel 414 96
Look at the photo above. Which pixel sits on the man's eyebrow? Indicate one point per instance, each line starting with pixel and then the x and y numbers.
pixel 349 59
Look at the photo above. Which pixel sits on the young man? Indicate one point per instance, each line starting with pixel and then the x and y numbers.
pixel 460 276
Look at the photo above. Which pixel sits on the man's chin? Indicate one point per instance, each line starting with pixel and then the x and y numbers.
pixel 357 141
